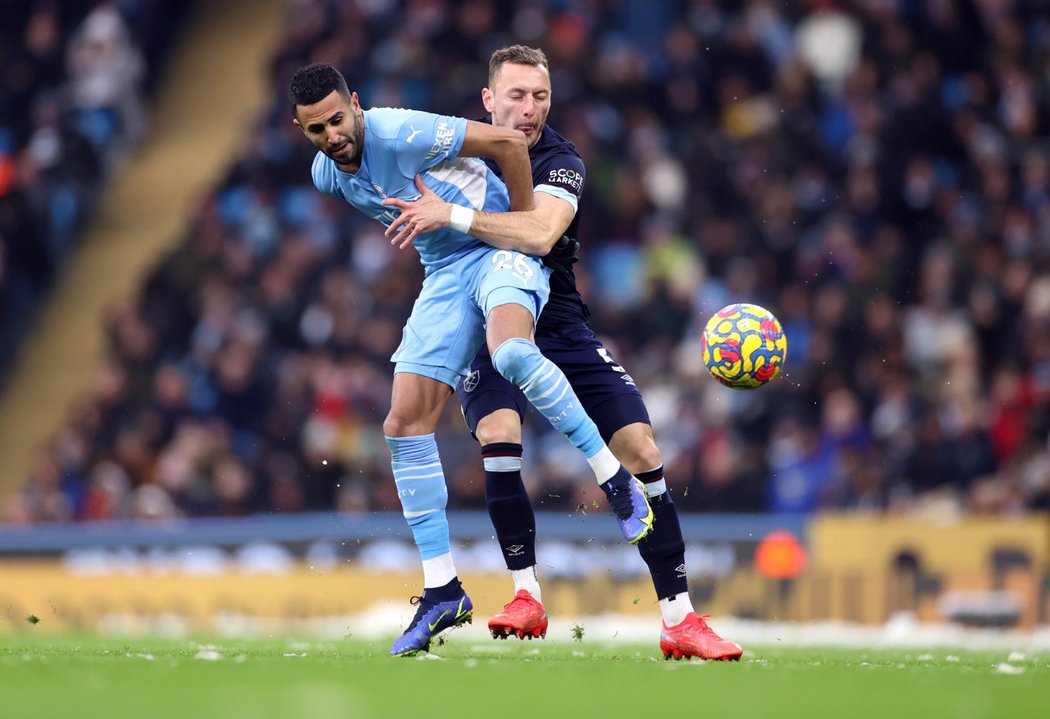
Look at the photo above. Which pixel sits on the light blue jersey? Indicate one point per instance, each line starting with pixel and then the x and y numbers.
pixel 465 278
pixel 399 144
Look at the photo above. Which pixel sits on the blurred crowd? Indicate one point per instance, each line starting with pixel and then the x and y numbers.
pixel 74 77
pixel 876 173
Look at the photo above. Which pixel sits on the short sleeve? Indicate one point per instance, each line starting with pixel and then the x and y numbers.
pixel 562 176
pixel 323 174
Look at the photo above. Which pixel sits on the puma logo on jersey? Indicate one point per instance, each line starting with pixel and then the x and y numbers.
pixel 413 135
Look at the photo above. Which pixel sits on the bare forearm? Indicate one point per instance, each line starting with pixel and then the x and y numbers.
pixel 513 161
pixel 510 151
pixel 526 232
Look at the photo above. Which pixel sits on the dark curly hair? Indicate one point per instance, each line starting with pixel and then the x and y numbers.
pixel 315 82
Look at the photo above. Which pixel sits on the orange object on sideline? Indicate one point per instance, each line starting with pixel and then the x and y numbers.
pixel 780 555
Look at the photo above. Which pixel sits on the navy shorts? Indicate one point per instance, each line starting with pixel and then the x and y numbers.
pixel 605 389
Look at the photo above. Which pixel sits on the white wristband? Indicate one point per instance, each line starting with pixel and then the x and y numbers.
pixel 461 218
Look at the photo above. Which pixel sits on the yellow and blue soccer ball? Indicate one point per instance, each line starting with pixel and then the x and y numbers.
pixel 744 346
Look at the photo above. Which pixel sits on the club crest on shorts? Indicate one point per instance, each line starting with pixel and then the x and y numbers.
pixel 471 382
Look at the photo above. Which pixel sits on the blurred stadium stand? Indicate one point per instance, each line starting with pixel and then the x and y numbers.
pixel 879 179
pixel 141 212
pixel 884 192
pixel 77 77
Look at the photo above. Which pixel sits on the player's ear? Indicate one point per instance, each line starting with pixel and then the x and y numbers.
pixel 486 99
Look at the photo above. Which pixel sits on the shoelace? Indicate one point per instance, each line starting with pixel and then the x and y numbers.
pixel 620 499
pixel 516 600
pixel 423 606
pixel 704 627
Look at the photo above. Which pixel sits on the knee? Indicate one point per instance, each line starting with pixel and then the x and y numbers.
pixel 499 427
pixel 399 425
pixel 637 451
pixel 642 462
pixel 411 421
pixel 511 359
pixel 648 456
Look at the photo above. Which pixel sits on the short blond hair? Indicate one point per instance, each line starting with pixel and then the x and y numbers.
pixel 517 54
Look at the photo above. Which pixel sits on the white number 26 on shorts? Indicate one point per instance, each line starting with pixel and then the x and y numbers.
pixel 515 261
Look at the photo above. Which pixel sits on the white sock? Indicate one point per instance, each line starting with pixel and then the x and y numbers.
pixel 439 571
pixel 526 579
pixel 604 464
pixel 674 609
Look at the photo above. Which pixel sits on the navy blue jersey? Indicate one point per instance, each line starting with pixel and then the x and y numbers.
pixel 605 389
pixel 557 168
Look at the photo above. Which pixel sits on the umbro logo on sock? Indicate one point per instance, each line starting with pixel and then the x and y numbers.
pixel 680 569
pixel 514 550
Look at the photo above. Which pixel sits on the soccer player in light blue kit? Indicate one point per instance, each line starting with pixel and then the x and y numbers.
pixel 472 294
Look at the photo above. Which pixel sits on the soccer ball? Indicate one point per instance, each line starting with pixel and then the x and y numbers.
pixel 744 346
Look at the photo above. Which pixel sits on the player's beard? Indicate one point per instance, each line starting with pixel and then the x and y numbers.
pixel 351 159
pixel 357 142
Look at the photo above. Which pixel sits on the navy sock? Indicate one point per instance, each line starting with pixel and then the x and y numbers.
pixel 509 506
pixel 663 549
pixel 445 593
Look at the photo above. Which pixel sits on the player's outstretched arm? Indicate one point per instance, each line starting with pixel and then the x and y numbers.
pixel 533 232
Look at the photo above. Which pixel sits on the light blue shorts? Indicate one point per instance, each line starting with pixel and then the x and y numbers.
pixel 447 324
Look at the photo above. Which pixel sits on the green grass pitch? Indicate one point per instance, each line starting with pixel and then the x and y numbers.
pixel 85 676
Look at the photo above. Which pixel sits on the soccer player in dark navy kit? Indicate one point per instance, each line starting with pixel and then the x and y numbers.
pixel 519 96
